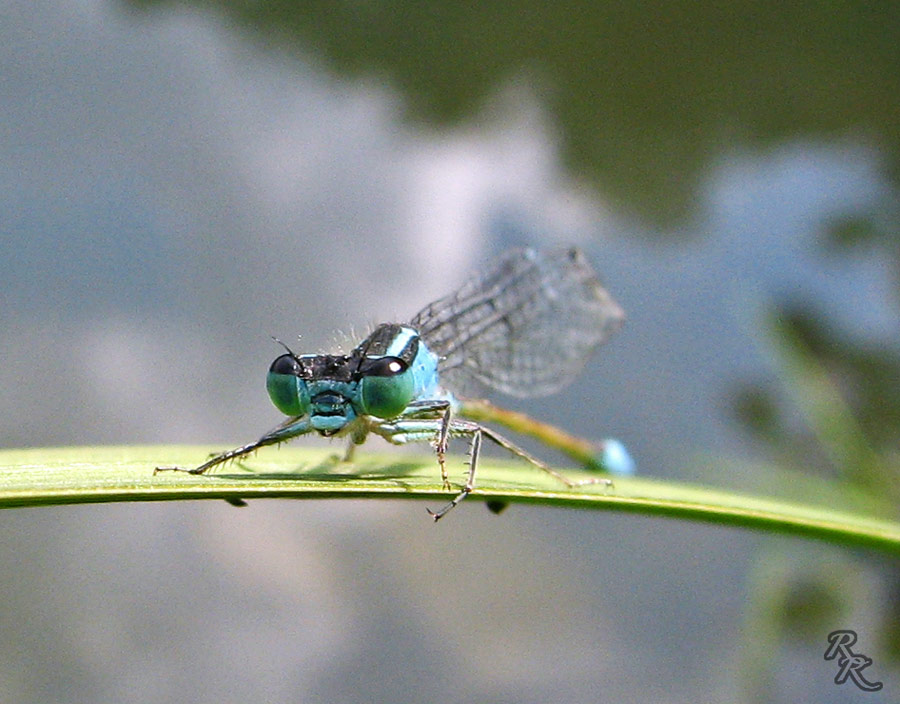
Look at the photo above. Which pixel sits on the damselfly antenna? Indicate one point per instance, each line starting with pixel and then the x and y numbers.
pixel 289 350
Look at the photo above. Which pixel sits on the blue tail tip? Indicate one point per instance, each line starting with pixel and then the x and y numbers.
pixel 614 458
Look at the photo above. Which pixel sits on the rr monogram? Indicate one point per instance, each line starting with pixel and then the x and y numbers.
pixel 850 664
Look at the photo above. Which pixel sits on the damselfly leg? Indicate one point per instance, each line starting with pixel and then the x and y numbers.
pixel 439 430
pixel 290 428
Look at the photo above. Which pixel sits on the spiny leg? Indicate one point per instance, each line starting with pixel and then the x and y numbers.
pixel 214 460
pixel 443 439
pixel 516 450
pixel 474 452
pixel 423 425
pixel 498 506
pixel 292 427
pixel 422 420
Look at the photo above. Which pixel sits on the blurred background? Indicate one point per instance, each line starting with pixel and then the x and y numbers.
pixel 181 180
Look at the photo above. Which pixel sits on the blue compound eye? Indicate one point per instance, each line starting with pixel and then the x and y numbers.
pixel 386 387
pixel 286 389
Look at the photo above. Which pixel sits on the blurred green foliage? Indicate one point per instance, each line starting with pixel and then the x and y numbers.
pixel 846 390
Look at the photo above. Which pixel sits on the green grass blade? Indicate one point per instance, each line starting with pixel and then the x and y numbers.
pixel 42 476
pixel 826 412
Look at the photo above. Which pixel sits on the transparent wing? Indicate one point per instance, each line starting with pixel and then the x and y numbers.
pixel 525 328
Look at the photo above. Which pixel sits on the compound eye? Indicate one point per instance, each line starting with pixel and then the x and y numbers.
pixel 383 366
pixel 286 389
pixel 386 388
pixel 285 364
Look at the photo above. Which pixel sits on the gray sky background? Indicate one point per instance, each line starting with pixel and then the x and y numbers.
pixel 170 197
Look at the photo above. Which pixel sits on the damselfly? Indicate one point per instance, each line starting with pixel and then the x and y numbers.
pixel 525 328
